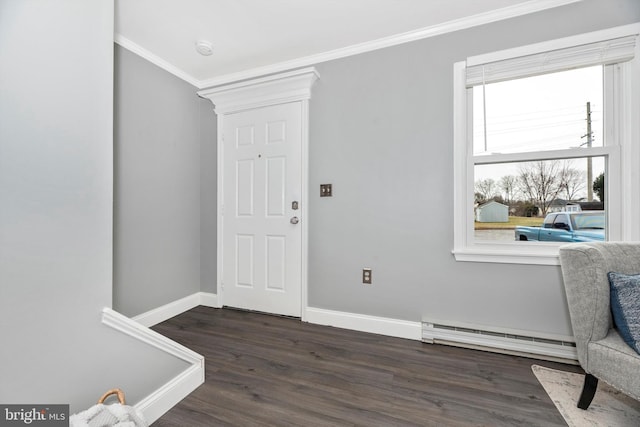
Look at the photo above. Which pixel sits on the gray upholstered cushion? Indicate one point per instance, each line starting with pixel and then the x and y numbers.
pixel 614 362
pixel 625 306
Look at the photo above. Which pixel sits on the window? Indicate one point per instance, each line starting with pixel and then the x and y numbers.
pixel 534 127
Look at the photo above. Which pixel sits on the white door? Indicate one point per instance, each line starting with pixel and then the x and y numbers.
pixel 262 238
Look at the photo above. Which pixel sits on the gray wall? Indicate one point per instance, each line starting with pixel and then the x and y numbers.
pixel 162 133
pixel 208 197
pixel 382 132
pixel 56 74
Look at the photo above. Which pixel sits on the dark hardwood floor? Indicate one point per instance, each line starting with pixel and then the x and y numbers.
pixel 266 370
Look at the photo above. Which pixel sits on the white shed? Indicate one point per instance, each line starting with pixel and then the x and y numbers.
pixel 492 212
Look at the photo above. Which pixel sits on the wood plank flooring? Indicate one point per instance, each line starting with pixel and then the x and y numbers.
pixel 266 370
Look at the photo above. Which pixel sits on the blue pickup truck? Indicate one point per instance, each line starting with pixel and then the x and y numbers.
pixel 566 227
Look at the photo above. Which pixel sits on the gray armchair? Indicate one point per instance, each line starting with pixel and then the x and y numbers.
pixel 602 352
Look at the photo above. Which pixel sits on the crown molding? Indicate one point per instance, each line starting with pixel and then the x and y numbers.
pixel 156 60
pixel 410 36
pixel 514 11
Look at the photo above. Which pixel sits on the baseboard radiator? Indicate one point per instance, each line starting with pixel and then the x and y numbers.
pixel 498 341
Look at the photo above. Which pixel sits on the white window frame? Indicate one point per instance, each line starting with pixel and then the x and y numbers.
pixel 622 147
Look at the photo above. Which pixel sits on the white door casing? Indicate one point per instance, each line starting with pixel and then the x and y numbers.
pixel 261 255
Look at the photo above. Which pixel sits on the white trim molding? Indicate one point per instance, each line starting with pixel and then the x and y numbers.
pixel 508 12
pixel 169 395
pixel 365 323
pixel 272 90
pixel 167 311
pixel 208 299
pixel 160 401
pixel 156 60
pixel 395 40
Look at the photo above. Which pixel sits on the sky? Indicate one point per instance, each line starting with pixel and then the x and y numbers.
pixel 545 112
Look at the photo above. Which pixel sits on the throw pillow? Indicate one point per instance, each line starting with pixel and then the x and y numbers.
pixel 625 306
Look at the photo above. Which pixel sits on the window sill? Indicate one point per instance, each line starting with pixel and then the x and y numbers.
pixel 536 254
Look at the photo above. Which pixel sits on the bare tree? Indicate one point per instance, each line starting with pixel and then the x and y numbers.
pixel 509 185
pixel 540 182
pixel 486 188
pixel 572 180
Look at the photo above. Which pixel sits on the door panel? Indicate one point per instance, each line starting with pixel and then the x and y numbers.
pixel 244 184
pixel 276 186
pixel 262 248
pixel 244 260
pixel 276 262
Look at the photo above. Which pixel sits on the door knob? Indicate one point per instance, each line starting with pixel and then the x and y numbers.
pixel 294 220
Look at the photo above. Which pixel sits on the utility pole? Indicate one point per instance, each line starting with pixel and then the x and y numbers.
pixel 589 165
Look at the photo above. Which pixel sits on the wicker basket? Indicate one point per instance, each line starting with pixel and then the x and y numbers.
pixel 113 415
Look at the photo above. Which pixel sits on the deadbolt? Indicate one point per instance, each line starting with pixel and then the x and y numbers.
pixel 294 205
pixel 294 220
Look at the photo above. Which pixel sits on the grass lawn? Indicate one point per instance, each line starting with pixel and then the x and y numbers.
pixel 513 221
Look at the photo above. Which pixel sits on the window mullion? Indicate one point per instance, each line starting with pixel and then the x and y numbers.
pixel 573 153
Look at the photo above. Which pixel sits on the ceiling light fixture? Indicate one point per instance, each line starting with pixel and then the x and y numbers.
pixel 204 47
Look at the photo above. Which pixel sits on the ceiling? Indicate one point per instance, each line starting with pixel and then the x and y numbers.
pixel 257 37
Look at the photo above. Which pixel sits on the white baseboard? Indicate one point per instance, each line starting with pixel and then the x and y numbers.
pixel 209 300
pixel 167 396
pixel 364 323
pixel 167 311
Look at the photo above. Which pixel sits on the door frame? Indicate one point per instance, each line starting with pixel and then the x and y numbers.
pixel 288 87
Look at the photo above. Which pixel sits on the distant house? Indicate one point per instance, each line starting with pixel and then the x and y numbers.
pixel 560 205
pixel 492 212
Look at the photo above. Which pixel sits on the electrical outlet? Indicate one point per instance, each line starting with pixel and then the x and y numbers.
pixel 366 276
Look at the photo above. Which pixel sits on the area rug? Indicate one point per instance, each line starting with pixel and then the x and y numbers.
pixel 609 407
